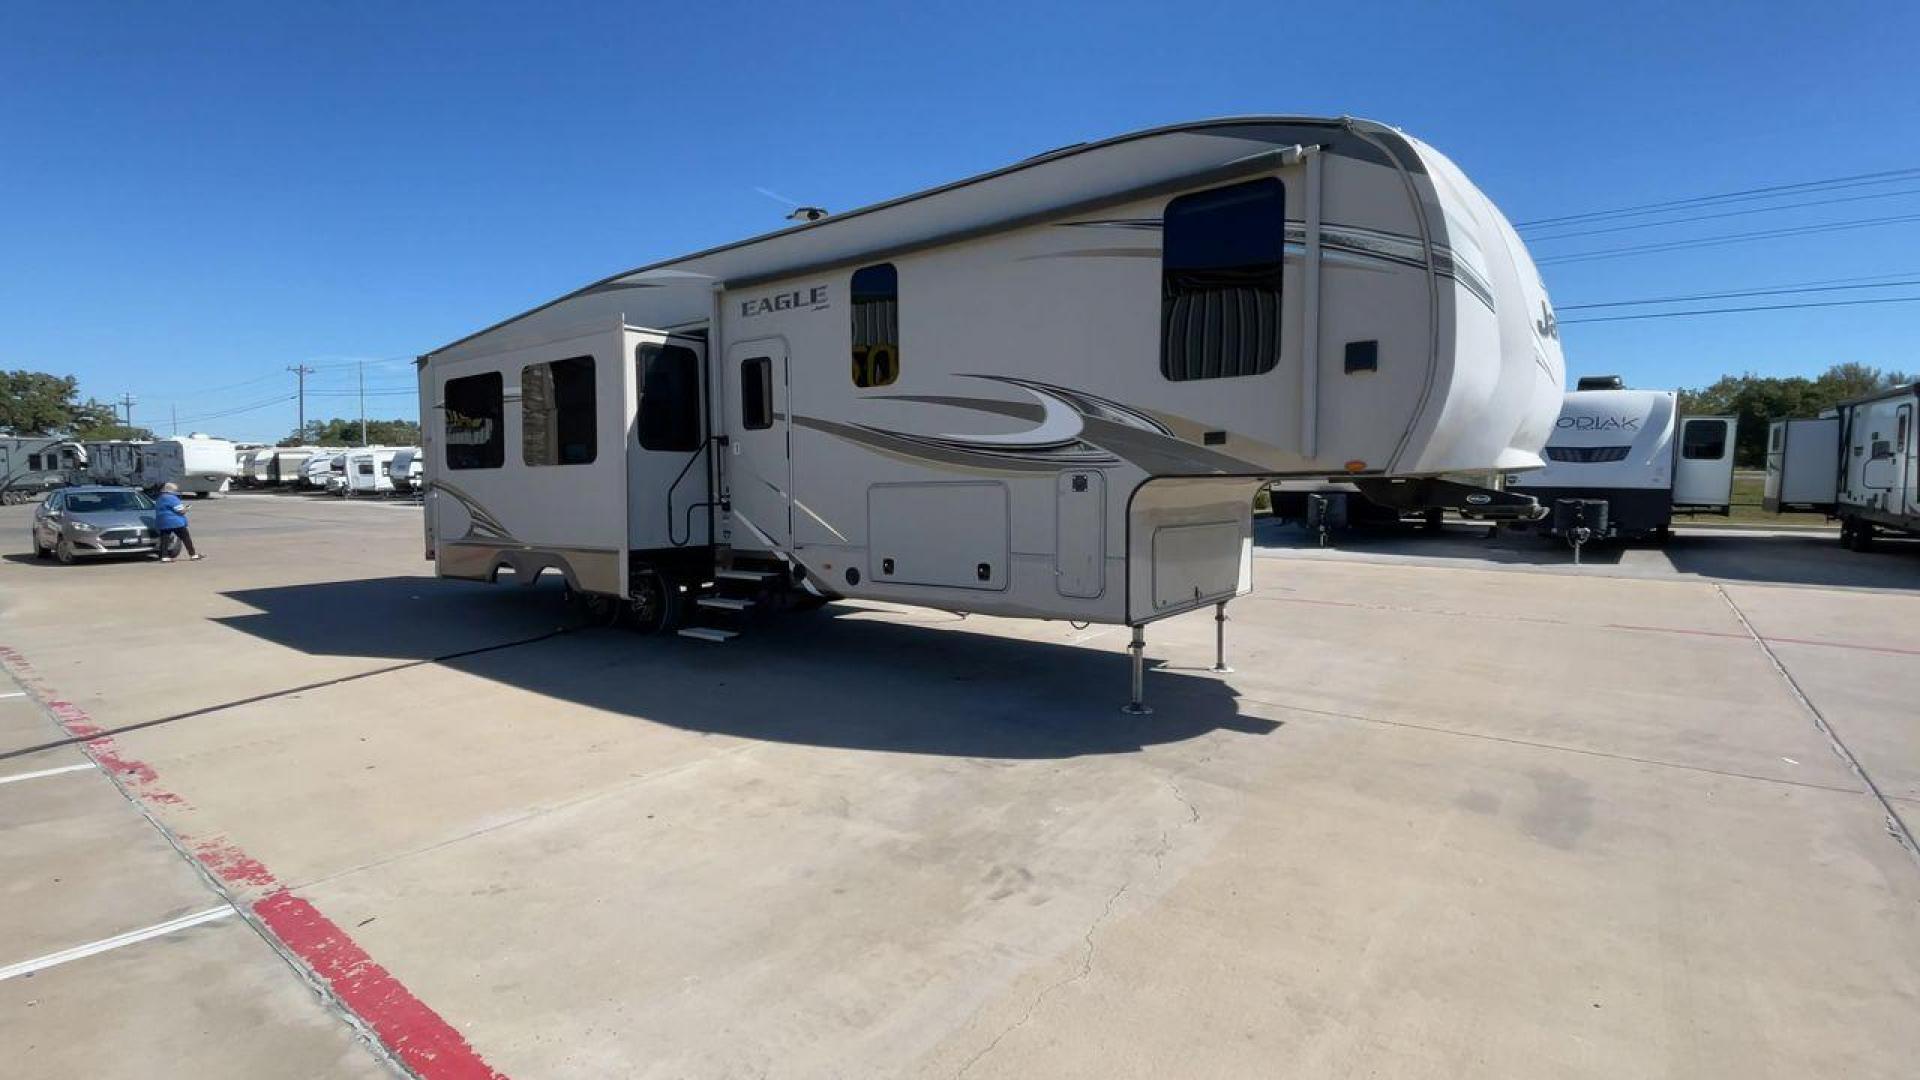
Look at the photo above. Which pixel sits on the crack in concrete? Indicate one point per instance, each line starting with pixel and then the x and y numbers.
pixel 1896 825
pixel 1087 956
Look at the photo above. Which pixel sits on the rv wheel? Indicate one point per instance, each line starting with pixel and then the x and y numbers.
pixel 655 605
pixel 1860 537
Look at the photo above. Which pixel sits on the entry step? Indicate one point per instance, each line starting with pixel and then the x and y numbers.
pixel 723 603
pixel 758 577
pixel 707 633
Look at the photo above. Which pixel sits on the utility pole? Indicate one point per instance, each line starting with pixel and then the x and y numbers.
pixel 128 401
pixel 301 371
pixel 363 403
pixel 175 412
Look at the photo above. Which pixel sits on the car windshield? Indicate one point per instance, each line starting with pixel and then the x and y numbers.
pixel 106 502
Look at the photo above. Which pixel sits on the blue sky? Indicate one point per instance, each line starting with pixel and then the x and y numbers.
pixel 195 197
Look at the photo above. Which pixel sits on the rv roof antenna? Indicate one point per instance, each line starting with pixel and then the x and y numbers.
pixel 1600 382
pixel 807 213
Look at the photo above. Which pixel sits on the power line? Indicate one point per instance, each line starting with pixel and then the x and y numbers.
pixel 1747 195
pixel 1731 238
pixel 1723 214
pixel 1781 291
pixel 237 410
pixel 1732 310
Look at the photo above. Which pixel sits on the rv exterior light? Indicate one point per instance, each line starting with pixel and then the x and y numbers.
pixel 1356 466
pixel 807 213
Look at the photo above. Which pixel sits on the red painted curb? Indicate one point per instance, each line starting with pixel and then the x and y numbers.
pixel 419 1037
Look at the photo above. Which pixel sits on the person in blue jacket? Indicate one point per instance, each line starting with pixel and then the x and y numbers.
pixel 170 517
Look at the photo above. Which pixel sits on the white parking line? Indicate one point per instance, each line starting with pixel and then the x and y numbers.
pixel 47 772
pixel 15 693
pixel 28 967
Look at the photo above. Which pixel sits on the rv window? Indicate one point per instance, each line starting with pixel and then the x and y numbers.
pixel 1220 272
pixel 364 466
pixel 669 397
pixel 557 412
pixel 33 462
pixel 473 422
pixel 1779 436
pixel 876 325
pixel 756 393
pixel 1704 440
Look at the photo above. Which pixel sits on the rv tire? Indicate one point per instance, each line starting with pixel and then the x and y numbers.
pixel 1858 535
pixel 656 604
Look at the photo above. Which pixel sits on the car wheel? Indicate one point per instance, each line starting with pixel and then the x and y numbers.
pixel 64 551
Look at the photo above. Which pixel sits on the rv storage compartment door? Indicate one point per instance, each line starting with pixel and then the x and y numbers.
pixel 948 534
pixel 1189 544
pixel 1080 534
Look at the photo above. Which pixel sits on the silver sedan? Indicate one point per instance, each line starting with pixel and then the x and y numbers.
pixel 82 522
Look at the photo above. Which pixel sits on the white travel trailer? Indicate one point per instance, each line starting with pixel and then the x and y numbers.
pixel 323 468
pixel 118 462
pixel 1617 447
pixel 1880 466
pixel 406 469
pixel 249 466
pixel 285 466
pixel 366 471
pixel 1049 391
pixel 198 464
pixel 32 465
pixel 1860 462
pixel 1803 465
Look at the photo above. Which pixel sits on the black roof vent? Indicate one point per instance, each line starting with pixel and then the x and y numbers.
pixel 1601 382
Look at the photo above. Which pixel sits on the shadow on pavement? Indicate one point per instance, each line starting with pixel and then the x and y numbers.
pixel 1781 558
pixel 833 677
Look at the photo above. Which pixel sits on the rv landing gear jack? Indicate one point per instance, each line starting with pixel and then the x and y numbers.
pixel 1220 638
pixel 1138 651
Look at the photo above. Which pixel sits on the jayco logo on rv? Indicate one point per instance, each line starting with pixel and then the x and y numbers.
pixel 1599 423
pixel 809 299
pixel 1547 324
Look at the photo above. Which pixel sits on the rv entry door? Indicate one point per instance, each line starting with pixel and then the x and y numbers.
pixel 1703 471
pixel 759 472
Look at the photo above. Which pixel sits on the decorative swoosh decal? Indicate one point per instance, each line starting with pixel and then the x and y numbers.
pixel 481 524
pixel 1104 433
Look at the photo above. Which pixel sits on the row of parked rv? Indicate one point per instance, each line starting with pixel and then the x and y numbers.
pixel 199 465
pixel 32 466
pixel 366 470
pixel 1621 463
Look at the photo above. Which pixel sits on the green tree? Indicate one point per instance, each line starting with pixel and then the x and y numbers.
pixel 1758 400
pixel 343 432
pixel 97 421
pixel 36 403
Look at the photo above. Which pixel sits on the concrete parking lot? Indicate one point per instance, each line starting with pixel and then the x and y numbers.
pixel 1461 810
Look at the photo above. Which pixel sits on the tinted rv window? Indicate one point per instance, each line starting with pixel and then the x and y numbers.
pixel 669 397
pixel 1704 440
pixel 876 325
pixel 473 418
pixel 557 412
pixel 1220 269
pixel 756 393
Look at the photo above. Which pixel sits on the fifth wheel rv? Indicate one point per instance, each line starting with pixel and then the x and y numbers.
pixel 1616 469
pixel 1049 391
